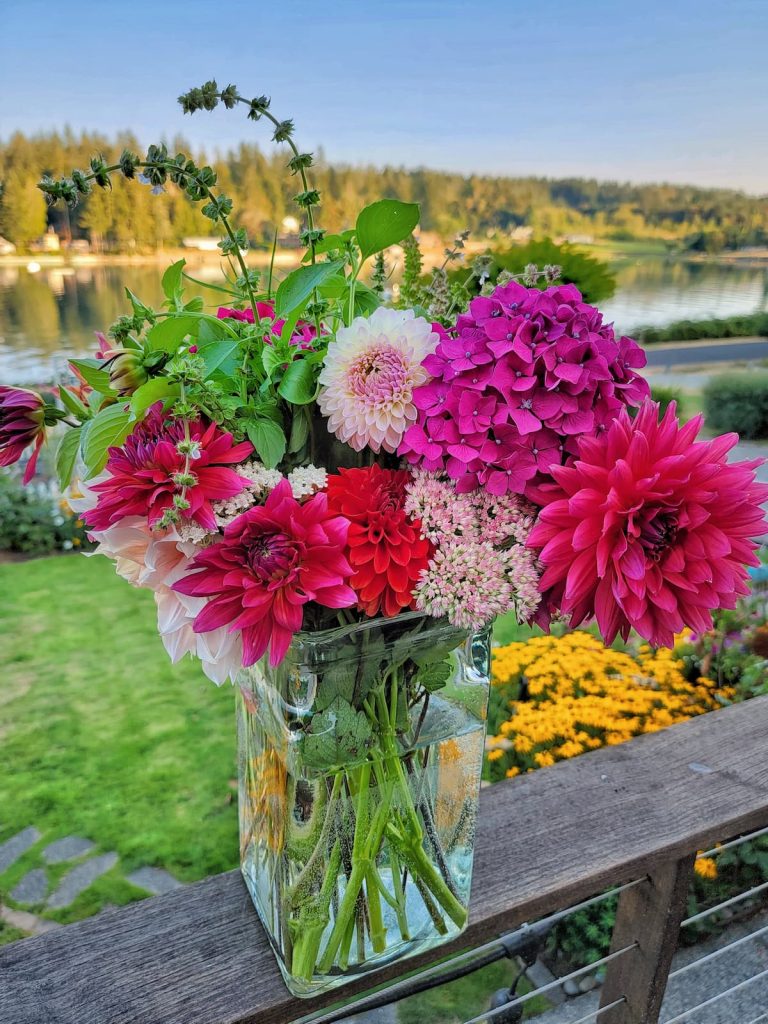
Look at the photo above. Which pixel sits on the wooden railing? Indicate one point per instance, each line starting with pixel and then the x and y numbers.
pixel 635 812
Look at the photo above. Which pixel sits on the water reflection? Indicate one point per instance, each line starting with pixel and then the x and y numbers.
pixel 50 315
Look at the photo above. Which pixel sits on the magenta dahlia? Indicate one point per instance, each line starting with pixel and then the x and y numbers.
pixel 522 375
pixel 649 529
pixel 271 561
pixel 22 423
pixel 147 472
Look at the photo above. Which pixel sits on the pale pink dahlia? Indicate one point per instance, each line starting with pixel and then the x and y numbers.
pixel 369 375
pixel 649 529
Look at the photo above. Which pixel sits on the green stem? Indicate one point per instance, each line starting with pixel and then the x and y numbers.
pixel 310 932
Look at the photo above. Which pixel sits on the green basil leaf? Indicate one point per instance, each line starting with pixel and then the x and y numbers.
pixel 73 404
pixel 271 359
pixel 215 354
pixel 168 333
pixel 172 287
pixel 268 439
pixel 158 389
pixel 66 456
pixel 92 371
pixel 366 300
pixel 110 427
pixel 300 284
pixel 299 432
pixel 385 223
pixel 298 383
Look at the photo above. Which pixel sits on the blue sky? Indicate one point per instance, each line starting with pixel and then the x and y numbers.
pixel 644 91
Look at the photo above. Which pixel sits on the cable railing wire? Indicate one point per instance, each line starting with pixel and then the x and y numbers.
pixel 735 842
pixel 680 1017
pixel 718 952
pixel 600 1010
pixel 522 1000
pixel 462 964
pixel 726 903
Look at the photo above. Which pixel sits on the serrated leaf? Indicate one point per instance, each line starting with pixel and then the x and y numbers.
pixel 156 390
pixel 108 428
pixel 216 353
pixel 93 373
pixel 385 223
pixel 435 675
pixel 66 456
pixel 171 281
pixel 268 439
pixel 336 737
pixel 300 284
pixel 298 383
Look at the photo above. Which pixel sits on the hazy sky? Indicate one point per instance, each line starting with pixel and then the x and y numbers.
pixel 647 90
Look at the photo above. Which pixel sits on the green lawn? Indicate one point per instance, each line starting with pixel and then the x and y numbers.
pixel 100 736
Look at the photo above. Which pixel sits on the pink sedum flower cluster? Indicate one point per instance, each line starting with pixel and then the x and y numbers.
pixel 520 378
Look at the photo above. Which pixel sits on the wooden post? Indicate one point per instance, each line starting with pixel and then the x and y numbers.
pixel 649 915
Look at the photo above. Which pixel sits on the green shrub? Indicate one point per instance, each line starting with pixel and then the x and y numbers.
pixel 738 401
pixel 34 521
pixel 744 326
pixel 591 276
pixel 663 394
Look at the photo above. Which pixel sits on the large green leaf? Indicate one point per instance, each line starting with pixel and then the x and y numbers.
pixel 385 223
pixel 93 373
pixel 300 284
pixel 73 404
pixel 268 439
pixel 172 287
pixel 110 427
pixel 298 383
pixel 217 353
pixel 156 390
pixel 66 455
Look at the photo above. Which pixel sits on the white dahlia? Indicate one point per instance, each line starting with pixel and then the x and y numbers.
pixel 369 374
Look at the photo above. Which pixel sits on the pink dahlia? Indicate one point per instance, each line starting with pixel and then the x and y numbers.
pixel 522 375
pixel 145 474
pixel 649 529
pixel 303 335
pixel 369 376
pixel 271 561
pixel 22 423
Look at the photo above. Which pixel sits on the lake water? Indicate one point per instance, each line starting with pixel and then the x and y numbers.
pixel 48 316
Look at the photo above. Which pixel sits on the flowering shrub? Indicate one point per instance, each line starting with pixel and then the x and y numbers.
pixel 36 520
pixel 557 697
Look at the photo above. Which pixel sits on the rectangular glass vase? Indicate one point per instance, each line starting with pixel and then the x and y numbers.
pixel 359 775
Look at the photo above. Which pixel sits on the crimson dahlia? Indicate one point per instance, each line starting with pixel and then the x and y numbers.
pixel 385 546
pixel 143 474
pixel 649 529
pixel 271 561
pixel 22 423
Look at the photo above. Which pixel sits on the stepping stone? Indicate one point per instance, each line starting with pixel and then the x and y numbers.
pixel 13 848
pixel 66 849
pixel 79 878
pixel 154 880
pixel 32 888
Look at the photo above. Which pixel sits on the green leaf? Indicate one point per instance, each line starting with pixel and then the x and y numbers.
pixel 330 243
pixel 139 308
pixel 93 373
pixel 336 737
pixel 299 432
pixel 300 284
pixel 217 353
pixel 66 455
pixel 158 389
pixel 385 223
pixel 73 404
pixel 168 333
pixel 298 383
pixel 435 675
pixel 172 287
pixel 268 439
pixel 110 427
pixel 366 300
pixel 271 359
pixel 195 304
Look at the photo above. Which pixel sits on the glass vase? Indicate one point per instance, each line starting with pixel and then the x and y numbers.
pixel 359 775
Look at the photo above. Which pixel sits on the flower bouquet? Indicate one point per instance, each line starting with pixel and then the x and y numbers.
pixel 332 497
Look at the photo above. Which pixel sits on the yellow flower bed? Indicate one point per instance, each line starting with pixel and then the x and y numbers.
pixel 567 695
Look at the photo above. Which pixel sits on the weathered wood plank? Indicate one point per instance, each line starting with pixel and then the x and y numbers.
pixel 199 955
pixel 648 917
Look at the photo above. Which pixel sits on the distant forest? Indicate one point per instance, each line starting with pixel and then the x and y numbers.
pixel 131 218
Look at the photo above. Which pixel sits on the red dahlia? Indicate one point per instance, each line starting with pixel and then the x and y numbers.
pixel 384 546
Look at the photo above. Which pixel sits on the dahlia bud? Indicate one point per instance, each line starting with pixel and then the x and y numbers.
pixel 126 370
pixel 23 417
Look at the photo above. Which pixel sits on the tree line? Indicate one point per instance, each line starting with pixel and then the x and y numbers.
pixel 131 218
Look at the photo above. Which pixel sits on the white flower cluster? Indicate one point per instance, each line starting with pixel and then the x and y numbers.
pixel 262 481
pixel 306 481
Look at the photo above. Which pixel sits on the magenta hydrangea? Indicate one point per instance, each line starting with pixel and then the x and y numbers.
pixel 514 385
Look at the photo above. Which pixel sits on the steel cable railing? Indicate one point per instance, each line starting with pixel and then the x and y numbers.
pixel 680 1017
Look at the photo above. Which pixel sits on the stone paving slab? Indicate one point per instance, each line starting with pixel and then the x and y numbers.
pixel 13 848
pixel 79 879
pixel 154 880
pixel 27 922
pixel 32 888
pixel 66 849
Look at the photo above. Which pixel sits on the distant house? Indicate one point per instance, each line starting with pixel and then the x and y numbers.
pixel 50 241
pixel 201 243
pixel 6 248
